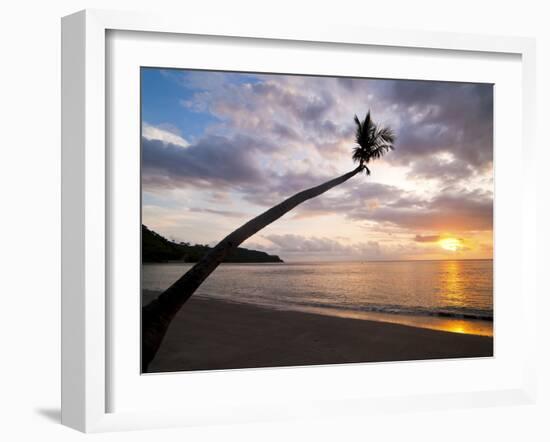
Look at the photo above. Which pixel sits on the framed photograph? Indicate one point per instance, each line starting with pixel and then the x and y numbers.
pixel 268 223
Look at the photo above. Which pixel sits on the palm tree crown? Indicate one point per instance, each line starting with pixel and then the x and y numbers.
pixel 372 141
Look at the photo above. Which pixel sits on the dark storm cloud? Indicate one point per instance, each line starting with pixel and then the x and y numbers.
pixel 434 117
pixel 213 160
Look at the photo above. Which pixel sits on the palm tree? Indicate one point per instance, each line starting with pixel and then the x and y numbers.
pixel 372 143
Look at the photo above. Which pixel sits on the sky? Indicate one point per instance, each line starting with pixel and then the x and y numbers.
pixel 219 148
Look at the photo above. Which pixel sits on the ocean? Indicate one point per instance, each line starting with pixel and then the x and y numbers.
pixel 455 296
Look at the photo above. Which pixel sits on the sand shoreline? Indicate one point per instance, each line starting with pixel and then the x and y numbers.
pixel 210 334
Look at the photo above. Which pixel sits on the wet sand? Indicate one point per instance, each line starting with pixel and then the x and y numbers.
pixel 211 334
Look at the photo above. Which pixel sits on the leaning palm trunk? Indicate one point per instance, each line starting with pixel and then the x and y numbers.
pixel 157 315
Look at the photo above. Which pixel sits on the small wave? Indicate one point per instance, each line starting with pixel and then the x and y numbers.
pixel 443 312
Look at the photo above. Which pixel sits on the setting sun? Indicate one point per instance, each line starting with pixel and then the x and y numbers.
pixel 452 244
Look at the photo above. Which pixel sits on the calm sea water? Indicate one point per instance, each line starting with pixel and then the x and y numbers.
pixel 449 295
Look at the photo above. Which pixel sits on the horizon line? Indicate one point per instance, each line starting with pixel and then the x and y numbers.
pixel 331 262
pixel 382 260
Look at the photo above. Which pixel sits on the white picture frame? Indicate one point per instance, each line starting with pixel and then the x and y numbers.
pixel 86 316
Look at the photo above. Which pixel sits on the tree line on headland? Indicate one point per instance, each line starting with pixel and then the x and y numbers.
pixel 156 248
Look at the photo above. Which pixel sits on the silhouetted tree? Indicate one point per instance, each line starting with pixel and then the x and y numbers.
pixel 372 143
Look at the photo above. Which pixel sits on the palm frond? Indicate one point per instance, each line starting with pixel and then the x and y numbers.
pixel 359 134
pixel 386 134
pixel 373 142
pixel 380 150
pixel 358 122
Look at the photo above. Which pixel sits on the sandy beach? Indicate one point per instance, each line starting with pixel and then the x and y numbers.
pixel 211 334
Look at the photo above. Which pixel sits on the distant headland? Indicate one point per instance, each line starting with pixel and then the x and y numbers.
pixel 156 248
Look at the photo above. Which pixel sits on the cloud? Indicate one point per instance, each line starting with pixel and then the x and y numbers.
pixel 368 197
pixel 451 209
pixel 427 238
pixel 213 161
pixel 298 244
pixel 167 135
pixel 444 167
pixel 272 136
pixel 222 163
pixel 229 213
pixel 276 107
pixel 434 117
pixel 429 117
